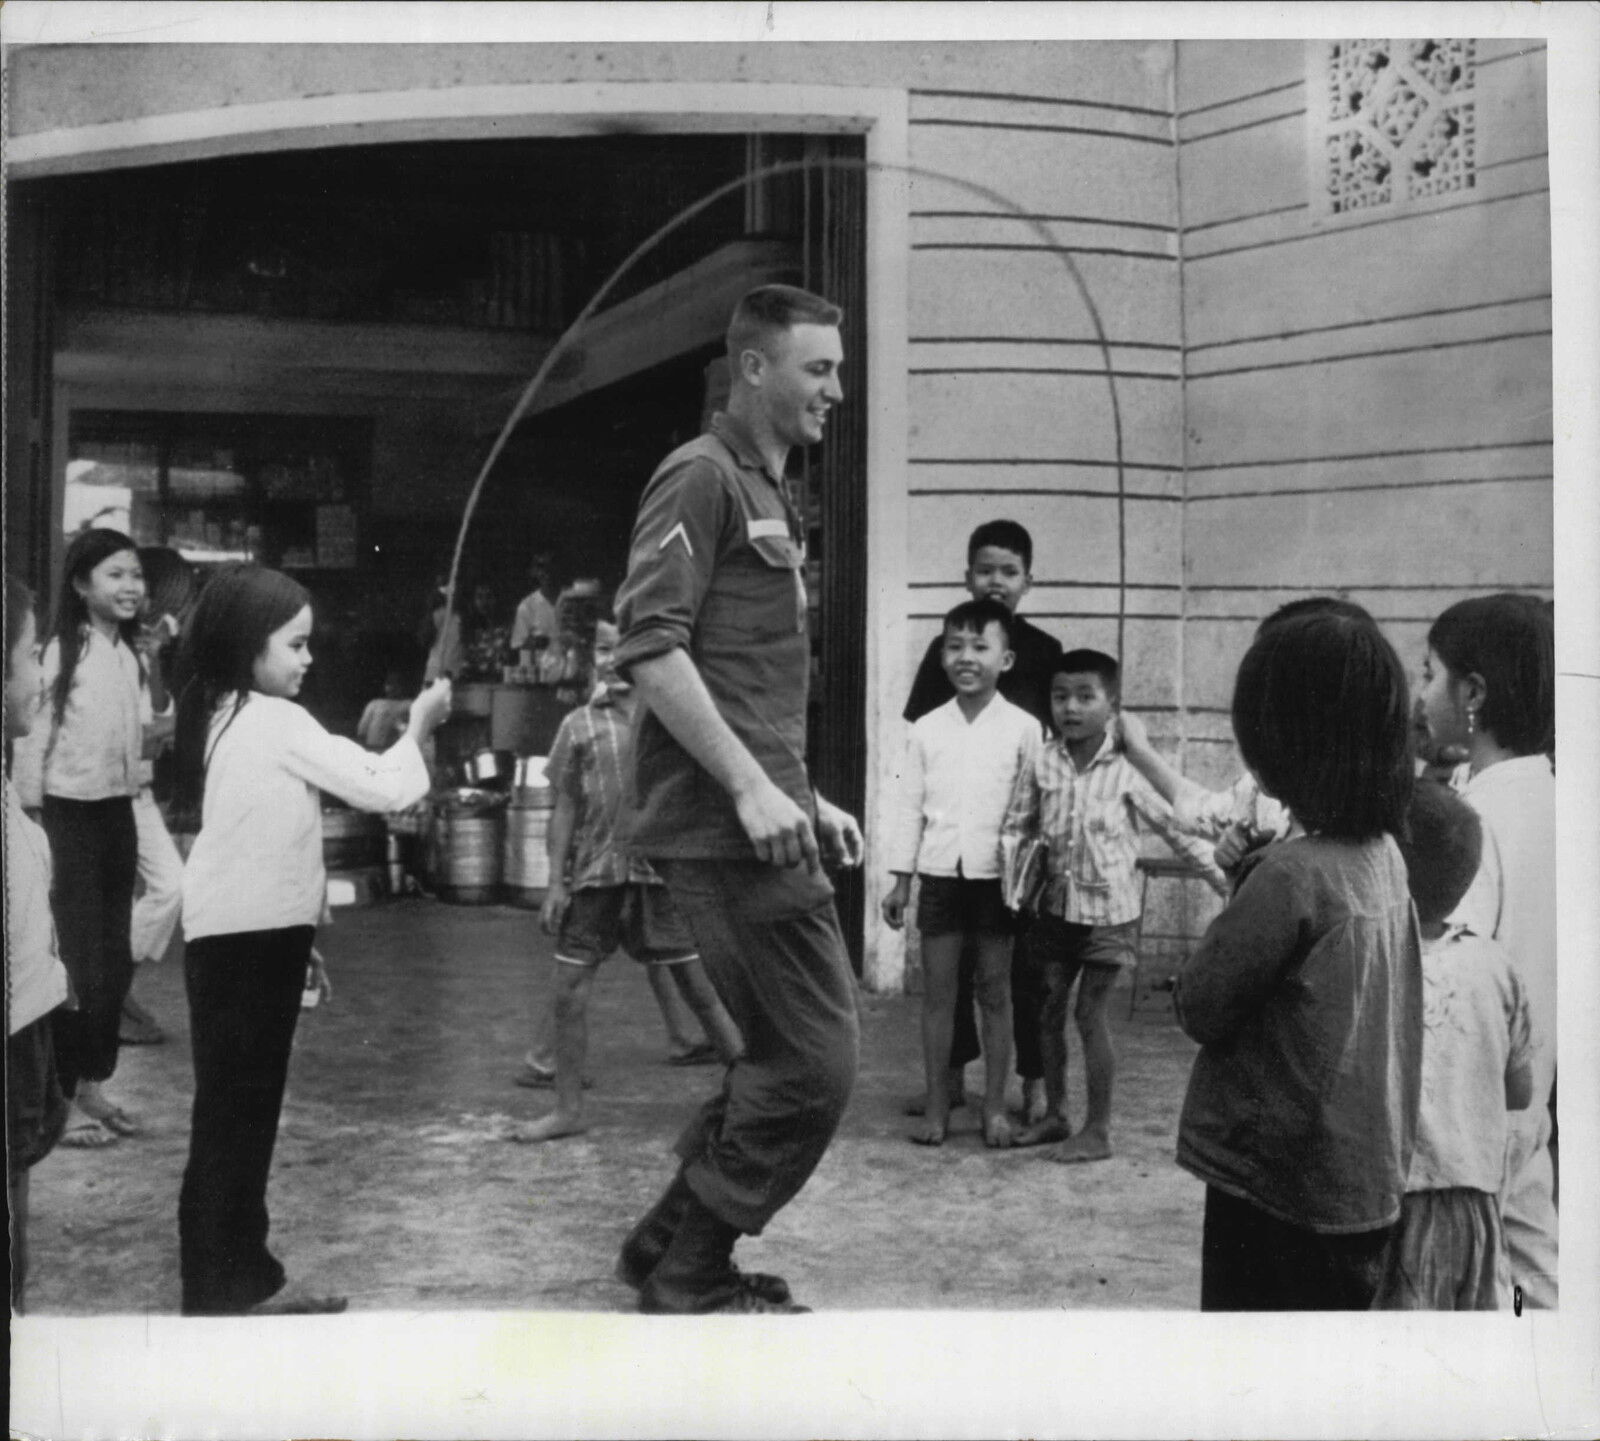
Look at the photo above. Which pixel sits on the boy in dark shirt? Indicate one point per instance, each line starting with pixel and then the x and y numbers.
pixel 1000 566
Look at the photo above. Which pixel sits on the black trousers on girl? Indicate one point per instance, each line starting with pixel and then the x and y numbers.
pixel 1252 1261
pixel 94 854
pixel 244 1002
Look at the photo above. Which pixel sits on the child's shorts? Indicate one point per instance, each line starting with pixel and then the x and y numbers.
pixel 949 905
pixel 641 919
pixel 1053 941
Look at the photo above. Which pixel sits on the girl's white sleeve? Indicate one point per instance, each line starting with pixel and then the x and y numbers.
pixel 390 781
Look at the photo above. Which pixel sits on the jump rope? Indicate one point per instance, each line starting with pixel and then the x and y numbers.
pixel 568 337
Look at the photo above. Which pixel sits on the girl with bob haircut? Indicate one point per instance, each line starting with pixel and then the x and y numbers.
pixel 1306 992
pixel 1488 687
pixel 80 766
pixel 253 891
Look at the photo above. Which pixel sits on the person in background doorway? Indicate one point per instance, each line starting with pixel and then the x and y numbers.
pixel 81 761
pixel 600 899
pixel 169 595
pixel 713 622
pixel 1488 685
pixel 385 717
pixel 1000 566
pixel 253 891
pixel 533 628
pixel 36 981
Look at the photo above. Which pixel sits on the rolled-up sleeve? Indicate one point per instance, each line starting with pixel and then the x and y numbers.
pixel 677 537
pixel 370 782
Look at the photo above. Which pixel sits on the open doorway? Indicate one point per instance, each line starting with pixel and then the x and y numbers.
pixel 303 355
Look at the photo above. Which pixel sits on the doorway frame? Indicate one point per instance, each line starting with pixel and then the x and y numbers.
pixel 539 110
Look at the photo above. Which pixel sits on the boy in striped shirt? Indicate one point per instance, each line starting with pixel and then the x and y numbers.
pixel 1090 805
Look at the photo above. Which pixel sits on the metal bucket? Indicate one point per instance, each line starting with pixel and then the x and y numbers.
pixel 351 839
pixel 525 868
pixel 463 858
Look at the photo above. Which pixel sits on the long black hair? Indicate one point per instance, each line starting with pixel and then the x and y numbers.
pixel 1510 641
pixel 1322 714
pixel 88 549
pixel 239 609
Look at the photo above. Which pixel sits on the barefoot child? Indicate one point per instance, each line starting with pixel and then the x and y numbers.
pixel 961 764
pixel 1449 1250
pixel 1090 806
pixel 253 891
pixel 36 981
pixel 600 898
pixel 1000 566
pixel 1306 992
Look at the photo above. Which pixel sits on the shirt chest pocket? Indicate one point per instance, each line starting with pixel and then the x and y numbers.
pixel 761 594
pixel 1108 848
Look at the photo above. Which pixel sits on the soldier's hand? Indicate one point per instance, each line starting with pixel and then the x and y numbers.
pixel 839 835
pixel 778 829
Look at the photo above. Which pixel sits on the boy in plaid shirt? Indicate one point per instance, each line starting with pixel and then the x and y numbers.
pixel 1090 805
pixel 599 897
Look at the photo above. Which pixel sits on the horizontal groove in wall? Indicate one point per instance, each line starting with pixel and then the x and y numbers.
pixel 1298 587
pixel 1128 135
pixel 917 91
pixel 1198 375
pixel 1372 455
pixel 1240 99
pixel 1370 321
pixel 1036 370
pixel 1043 249
pixel 1243 125
pixel 1039 340
pixel 1042 460
pixel 1240 219
pixel 1060 219
pixel 1049 491
pixel 1327 232
pixel 1382 619
pixel 1389 485
pixel 1521 54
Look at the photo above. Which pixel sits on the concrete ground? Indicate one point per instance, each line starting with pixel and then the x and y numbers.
pixel 392 1182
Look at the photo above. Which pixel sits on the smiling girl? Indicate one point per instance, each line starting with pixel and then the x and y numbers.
pixel 80 764
pixel 253 891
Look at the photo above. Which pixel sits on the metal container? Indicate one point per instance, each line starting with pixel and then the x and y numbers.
pixel 489 768
pixel 463 855
pixel 525 862
pixel 351 839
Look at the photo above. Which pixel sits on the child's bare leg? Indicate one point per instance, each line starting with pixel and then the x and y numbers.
pixel 694 985
pixel 541 1055
pixel 1093 1142
pixel 673 1015
pixel 941 955
pixel 572 1044
pixel 994 1006
pixel 1059 975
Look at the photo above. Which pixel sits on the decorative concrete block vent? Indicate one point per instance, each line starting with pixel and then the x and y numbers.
pixel 1389 123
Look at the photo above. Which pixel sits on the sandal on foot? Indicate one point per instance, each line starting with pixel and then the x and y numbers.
pixel 87 1134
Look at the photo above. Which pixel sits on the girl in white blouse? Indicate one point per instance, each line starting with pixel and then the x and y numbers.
pixel 80 765
pixel 253 892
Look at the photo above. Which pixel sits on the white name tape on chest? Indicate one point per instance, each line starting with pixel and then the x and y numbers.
pixel 759 528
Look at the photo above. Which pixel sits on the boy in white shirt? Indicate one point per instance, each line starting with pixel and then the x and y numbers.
pixel 961 764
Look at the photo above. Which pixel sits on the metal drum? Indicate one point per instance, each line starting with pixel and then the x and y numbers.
pixel 351 839
pixel 464 855
pixel 525 872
